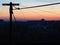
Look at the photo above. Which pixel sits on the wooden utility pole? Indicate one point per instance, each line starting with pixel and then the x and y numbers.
pixel 11 12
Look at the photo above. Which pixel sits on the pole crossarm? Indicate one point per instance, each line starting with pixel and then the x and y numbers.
pixel 6 4
pixel 9 4
pixel 41 5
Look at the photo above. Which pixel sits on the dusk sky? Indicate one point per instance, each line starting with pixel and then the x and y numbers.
pixel 48 13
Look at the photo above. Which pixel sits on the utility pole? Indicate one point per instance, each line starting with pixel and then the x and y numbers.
pixel 11 12
pixel 10 23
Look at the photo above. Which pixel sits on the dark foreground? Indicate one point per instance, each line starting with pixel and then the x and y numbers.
pixel 31 32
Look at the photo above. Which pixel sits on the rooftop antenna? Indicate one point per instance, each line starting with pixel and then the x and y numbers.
pixel 11 12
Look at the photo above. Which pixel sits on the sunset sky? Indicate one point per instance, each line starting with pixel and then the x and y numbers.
pixel 48 13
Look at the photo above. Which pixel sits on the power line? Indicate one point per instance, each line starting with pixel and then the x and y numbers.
pixel 14 17
pixel 41 5
pixel 38 6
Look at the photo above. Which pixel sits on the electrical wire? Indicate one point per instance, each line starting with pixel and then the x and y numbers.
pixel 14 17
pixel 48 11
pixel 40 10
pixel 41 5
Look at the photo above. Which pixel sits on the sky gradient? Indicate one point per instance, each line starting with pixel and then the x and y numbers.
pixel 48 13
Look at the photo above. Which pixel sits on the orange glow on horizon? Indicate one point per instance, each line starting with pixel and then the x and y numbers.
pixel 31 14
